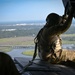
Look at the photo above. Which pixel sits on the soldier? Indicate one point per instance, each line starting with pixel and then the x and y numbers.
pixel 48 39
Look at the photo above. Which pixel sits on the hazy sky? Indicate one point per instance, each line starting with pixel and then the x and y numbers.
pixel 24 10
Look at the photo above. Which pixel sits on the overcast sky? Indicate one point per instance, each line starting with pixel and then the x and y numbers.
pixel 26 10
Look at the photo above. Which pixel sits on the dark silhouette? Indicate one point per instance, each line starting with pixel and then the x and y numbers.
pixel 7 65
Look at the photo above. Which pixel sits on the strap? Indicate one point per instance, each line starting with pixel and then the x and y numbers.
pixel 35 52
pixel 30 62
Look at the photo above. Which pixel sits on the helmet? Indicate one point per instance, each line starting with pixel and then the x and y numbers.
pixel 53 19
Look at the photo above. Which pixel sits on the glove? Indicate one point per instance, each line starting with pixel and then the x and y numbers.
pixel 65 17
